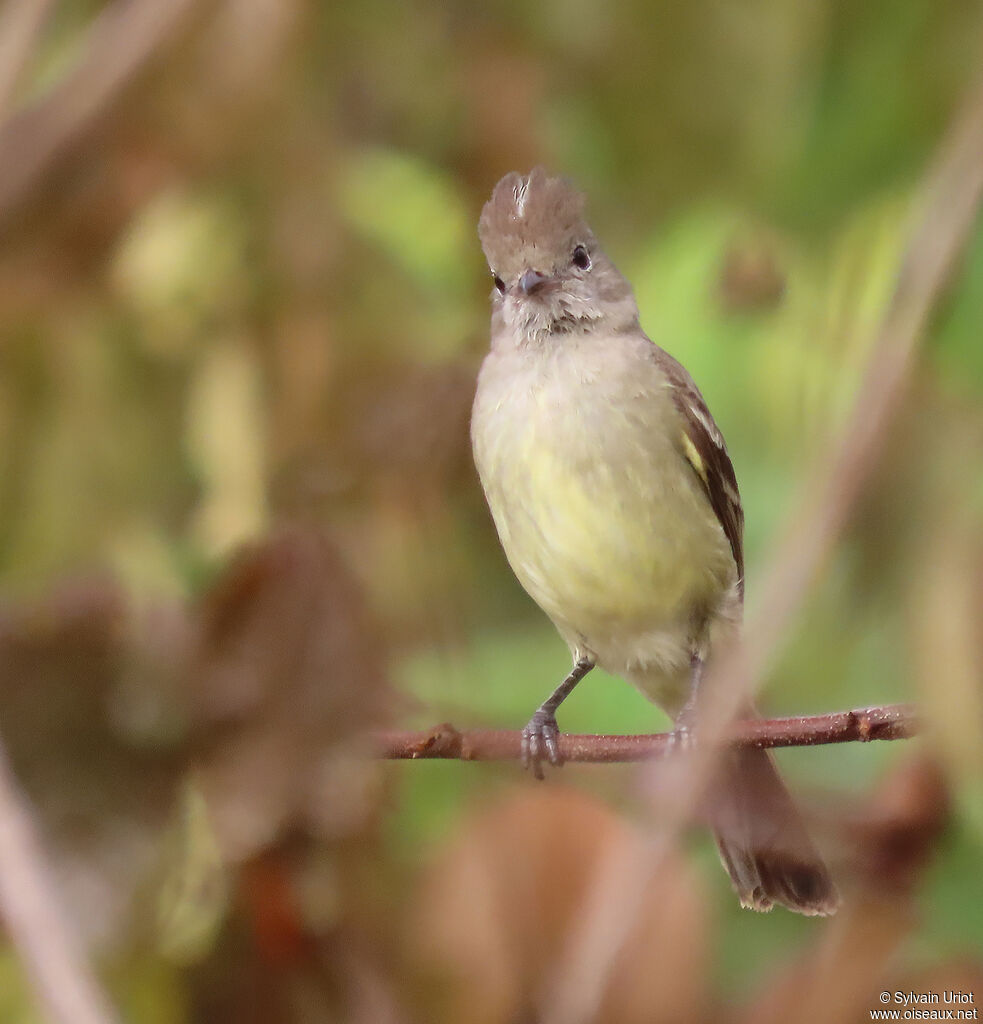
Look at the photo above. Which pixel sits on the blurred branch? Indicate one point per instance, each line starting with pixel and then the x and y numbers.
pixel 890 722
pixel 35 923
pixel 122 39
pixel 944 217
pixel 947 212
pixel 20 25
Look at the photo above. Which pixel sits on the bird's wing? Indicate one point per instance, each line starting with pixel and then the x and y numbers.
pixel 704 448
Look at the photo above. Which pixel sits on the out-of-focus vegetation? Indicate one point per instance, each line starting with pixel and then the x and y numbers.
pixel 247 307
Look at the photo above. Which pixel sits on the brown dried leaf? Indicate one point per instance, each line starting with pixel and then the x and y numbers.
pixel 896 835
pixel 290 667
pixel 500 904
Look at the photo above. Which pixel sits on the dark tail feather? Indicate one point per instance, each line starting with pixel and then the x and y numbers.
pixel 763 841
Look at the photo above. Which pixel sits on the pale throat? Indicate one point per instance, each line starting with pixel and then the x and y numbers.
pixel 537 324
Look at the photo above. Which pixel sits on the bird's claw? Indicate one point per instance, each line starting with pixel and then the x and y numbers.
pixel 541 736
pixel 682 739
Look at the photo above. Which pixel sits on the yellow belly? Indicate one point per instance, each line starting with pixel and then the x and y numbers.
pixel 610 537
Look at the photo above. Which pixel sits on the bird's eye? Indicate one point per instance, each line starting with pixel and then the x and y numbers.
pixel 499 283
pixel 581 258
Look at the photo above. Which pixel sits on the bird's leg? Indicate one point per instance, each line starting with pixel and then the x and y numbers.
pixel 686 720
pixel 542 732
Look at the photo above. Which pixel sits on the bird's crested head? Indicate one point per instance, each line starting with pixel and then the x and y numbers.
pixel 550 275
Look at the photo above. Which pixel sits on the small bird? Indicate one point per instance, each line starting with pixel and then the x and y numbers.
pixel 618 509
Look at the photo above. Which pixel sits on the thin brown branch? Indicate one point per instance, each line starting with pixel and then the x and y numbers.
pixel 445 742
pixel 123 38
pixel 943 218
pixel 21 22
pixel 66 990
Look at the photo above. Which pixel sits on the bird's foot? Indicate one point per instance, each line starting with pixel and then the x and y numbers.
pixel 540 737
pixel 682 739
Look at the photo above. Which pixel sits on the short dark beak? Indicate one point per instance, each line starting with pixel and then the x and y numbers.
pixel 531 281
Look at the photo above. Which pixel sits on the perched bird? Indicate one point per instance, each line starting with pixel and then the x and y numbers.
pixel 618 508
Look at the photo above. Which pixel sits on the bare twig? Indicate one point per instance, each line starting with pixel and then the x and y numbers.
pixel 20 25
pixel 890 722
pixel 121 41
pixel 945 216
pixel 65 988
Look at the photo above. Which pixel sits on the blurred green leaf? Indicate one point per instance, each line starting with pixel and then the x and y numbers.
pixel 414 213
pixel 194 895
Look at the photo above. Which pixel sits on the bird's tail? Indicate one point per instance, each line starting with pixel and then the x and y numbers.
pixel 763 840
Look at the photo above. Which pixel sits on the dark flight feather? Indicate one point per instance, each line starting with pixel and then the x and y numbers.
pixel 715 471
